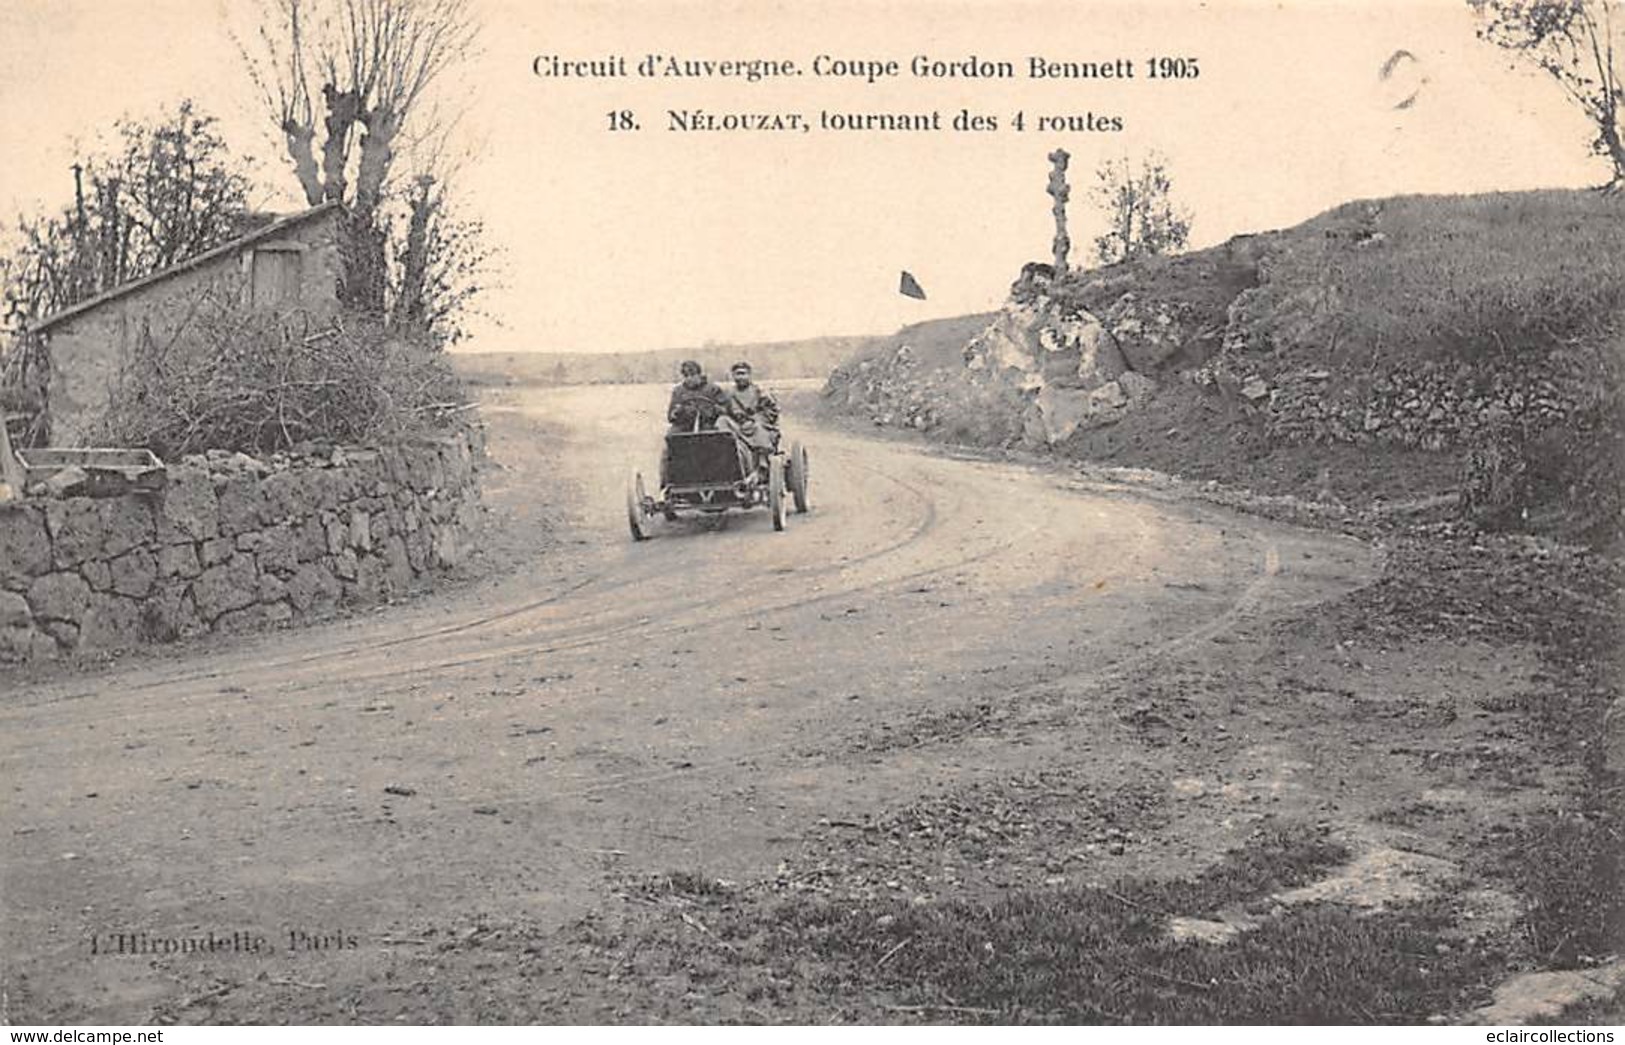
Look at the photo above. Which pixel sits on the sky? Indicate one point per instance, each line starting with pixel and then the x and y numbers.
pixel 617 240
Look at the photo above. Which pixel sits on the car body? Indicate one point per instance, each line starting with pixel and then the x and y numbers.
pixel 706 473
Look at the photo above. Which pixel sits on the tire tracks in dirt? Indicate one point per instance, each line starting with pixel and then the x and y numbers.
pixel 581 634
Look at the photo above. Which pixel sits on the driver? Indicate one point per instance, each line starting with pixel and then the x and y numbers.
pixel 696 405
pixel 695 402
pixel 752 409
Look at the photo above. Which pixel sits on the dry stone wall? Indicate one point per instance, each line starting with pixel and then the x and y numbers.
pixel 1427 405
pixel 233 543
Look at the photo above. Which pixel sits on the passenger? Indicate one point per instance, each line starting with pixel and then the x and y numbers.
pixel 753 410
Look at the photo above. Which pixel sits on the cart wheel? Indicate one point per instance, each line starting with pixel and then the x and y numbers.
pixel 775 490
pixel 634 507
pixel 797 475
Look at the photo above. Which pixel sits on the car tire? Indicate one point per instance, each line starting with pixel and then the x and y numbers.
pixel 635 500
pixel 798 477
pixel 775 490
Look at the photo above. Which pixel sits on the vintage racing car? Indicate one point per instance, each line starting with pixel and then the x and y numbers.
pixel 706 473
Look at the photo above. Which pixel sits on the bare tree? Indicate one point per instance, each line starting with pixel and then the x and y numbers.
pixel 442 264
pixel 161 192
pixel 369 62
pixel 1141 216
pixel 1574 41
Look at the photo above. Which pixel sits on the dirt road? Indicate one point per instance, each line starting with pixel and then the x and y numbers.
pixel 340 797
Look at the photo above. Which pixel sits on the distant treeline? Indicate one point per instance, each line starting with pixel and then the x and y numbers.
pixel 781 360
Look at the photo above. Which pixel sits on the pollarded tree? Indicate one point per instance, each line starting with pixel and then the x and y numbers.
pixel 360 69
pixel 1141 215
pixel 1579 44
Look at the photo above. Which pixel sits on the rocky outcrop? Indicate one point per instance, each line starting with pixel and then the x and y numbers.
pixel 1034 374
pixel 1034 345
pixel 1069 364
pixel 232 543
pixel 1150 333
pixel 1067 353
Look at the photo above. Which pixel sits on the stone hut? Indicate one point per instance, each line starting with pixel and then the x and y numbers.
pixel 291 263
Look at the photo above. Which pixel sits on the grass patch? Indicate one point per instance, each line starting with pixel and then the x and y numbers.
pixel 1085 955
pixel 1568 862
pixel 1463 277
pixel 1070 955
pixel 1571 867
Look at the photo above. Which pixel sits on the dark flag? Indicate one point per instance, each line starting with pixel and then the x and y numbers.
pixel 909 287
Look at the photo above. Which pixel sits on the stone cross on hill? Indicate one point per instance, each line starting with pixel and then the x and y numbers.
pixel 1059 189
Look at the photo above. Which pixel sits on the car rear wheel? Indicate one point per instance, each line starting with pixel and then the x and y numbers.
pixel 635 500
pixel 798 476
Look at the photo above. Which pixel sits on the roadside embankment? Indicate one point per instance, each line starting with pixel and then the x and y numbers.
pixel 1386 351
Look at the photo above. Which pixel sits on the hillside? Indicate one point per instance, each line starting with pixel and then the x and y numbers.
pixel 1383 351
pixel 814 357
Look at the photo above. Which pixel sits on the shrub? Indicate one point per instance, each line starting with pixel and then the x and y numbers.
pixel 1564 475
pixel 266 382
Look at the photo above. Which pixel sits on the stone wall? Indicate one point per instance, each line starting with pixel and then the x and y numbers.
pixel 1422 405
pixel 233 543
pixel 1426 404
